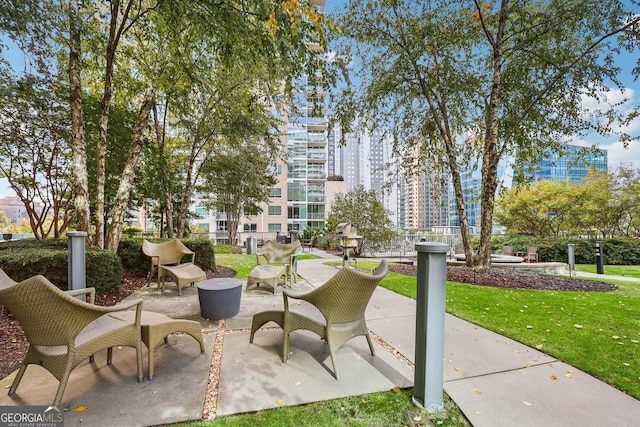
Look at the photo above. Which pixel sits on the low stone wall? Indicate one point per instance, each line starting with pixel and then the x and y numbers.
pixel 536 267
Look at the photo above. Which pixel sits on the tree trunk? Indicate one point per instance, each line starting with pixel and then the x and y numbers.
pixel 115 32
pixel 128 174
pixel 193 172
pixel 490 156
pixel 166 211
pixel 80 186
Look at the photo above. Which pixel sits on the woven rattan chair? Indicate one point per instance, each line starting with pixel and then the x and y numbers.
pixel 166 259
pixel 334 311
pixel 63 331
pixel 274 253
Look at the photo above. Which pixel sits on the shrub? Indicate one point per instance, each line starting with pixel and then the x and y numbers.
pixel 615 251
pixel 103 268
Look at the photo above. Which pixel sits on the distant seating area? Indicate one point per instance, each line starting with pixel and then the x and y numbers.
pixel 530 255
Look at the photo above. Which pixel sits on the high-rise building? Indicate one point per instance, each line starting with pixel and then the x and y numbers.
pixel 364 160
pixel 573 164
pixel 430 201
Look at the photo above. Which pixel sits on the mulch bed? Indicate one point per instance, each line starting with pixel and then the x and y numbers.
pixel 13 345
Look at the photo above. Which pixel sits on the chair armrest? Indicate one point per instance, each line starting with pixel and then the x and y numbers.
pixel 121 306
pixel 88 291
pixel 261 259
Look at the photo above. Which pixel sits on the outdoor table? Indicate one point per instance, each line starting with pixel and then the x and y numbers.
pixel 219 298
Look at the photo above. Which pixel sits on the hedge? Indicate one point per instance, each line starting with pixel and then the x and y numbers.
pixel 104 270
pixel 617 251
pixel 25 258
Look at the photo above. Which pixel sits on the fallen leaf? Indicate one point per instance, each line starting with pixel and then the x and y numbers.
pixel 479 391
pixel 569 374
pixel 417 418
pixel 81 408
pixel 615 337
pixel 458 369
pixel 279 402
pixel 397 390
pixel 577 326
pixel 297 383
pixel 540 346
pixel 527 403
pixel 553 377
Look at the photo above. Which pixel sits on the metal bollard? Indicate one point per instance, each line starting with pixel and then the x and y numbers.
pixel 77 270
pixel 430 310
pixel 571 253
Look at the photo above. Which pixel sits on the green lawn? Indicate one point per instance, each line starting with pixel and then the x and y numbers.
pixel 391 408
pixel 596 332
pixel 616 270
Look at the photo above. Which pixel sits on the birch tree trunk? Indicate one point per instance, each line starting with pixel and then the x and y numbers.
pixel 490 156
pixel 116 30
pixel 80 186
pixel 114 231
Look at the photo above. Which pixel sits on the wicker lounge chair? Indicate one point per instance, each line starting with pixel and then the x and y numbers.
pixel 166 260
pixel 63 331
pixel 334 311
pixel 274 253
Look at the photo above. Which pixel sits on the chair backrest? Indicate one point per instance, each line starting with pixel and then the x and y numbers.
pixel 170 252
pixel 5 280
pixel 280 253
pixel 507 250
pixel 47 315
pixel 532 250
pixel 345 296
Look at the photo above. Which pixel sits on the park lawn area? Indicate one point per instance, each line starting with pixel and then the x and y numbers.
pixel 597 332
pixel 391 408
pixel 616 270
pixel 242 264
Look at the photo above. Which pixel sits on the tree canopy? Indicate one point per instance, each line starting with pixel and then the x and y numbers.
pixel 366 213
pixel 464 83
pixel 197 73
pixel 604 205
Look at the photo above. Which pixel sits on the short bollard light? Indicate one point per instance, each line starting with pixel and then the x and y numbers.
pixel 430 313
pixel 77 270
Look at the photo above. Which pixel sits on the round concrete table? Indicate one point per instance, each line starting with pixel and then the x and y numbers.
pixel 219 298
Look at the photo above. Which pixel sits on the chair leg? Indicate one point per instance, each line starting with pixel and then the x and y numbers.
pixel 139 360
pixel 373 353
pixel 109 356
pixel 63 385
pixel 333 360
pixel 17 379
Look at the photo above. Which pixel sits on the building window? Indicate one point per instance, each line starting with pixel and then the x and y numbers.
pixel 250 227
pixel 274 228
pixel 275 192
pixel 275 210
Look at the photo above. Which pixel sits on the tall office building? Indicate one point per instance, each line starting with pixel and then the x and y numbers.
pixel 572 165
pixel 430 200
pixel 364 160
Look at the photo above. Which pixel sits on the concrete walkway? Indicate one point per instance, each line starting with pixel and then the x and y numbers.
pixel 495 381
